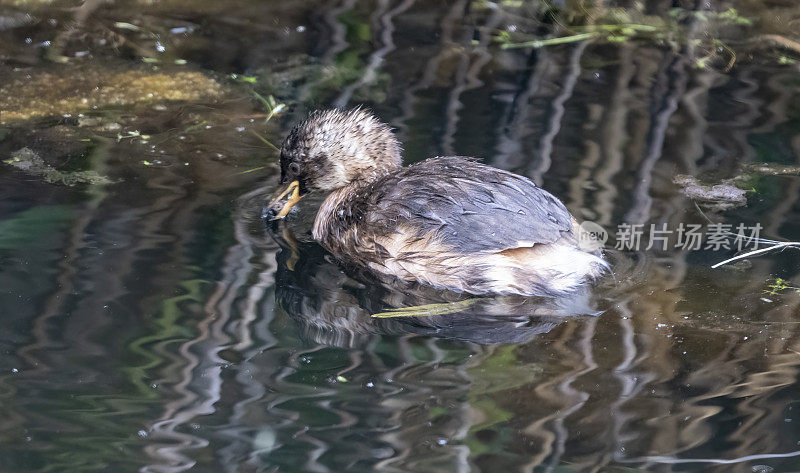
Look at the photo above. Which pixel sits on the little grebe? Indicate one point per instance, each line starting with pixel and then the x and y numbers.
pixel 333 308
pixel 449 222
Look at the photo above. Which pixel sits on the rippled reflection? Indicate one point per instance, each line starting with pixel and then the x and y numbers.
pixel 158 324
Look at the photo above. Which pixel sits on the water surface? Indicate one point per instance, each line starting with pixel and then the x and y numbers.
pixel 155 323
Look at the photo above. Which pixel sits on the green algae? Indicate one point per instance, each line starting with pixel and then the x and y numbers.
pixel 70 90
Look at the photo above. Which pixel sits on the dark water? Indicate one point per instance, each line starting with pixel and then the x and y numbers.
pixel 156 324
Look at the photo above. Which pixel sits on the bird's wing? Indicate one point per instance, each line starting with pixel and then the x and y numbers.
pixel 469 206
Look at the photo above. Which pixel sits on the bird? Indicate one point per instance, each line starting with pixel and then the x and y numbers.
pixel 333 307
pixel 449 222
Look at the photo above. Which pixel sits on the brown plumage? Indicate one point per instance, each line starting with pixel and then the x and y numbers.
pixel 449 222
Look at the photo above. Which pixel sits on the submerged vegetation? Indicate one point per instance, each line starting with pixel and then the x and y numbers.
pixel 779 286
pixel 28 161
pixel 719 36
pixel 717 197
pixel 716 38
pixel 72 90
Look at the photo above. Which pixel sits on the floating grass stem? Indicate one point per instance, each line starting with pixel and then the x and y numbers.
pixel 266 141
pixel 252 170
pixel 540 43
pixel 427 310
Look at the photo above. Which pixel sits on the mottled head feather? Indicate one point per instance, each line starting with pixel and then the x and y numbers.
pixel 334 148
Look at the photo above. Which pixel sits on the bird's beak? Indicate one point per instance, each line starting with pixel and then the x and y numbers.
pixel 279 207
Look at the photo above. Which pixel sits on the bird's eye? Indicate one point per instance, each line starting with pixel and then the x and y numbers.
pixel 294 168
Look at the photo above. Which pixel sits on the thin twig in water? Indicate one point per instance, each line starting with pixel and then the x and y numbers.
pixel 788 244
pixel 776 245
pixel 759 240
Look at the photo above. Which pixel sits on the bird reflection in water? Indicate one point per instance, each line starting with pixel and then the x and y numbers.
pixel 343 306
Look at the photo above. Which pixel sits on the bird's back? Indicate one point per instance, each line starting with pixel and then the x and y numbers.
pixel 461 225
